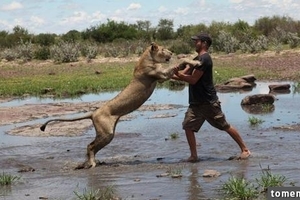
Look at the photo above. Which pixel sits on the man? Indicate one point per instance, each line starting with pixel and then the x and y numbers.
pixel 203 100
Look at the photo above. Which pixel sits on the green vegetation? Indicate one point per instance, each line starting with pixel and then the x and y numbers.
pixel 106 193
pixel 38 78
pixel 37 64
pixel 175 172
pixel 269 179
pixel 267 33
pixel 240 188
pixel 266 107
pixel 64 80
pixel 174 136
pixel 254 121
pixel 8 179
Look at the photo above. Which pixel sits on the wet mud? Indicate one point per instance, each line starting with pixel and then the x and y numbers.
pixel 142 160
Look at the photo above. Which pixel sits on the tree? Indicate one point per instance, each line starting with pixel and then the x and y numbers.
pixel 19 35
pixel 144 30
pixel 3 39
pixel 165 29
pixel 44 39
pixel 110 31
pixel 72 36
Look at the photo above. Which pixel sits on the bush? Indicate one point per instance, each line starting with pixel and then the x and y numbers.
pixel 121 48
pixel 42 53
pixel 226 42
pixel 180 46
pixel 89 51
pixel 65 52
pixel 255 46
pixel 293 40
pixel 25 51
pixel 9 54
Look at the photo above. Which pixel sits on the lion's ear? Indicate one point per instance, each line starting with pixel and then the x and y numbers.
pixel 154 46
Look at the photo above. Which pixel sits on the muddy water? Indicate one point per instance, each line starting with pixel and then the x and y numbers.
pixel 142 149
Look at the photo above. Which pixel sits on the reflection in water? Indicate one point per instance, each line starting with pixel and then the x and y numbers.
pixel 194 189
pixel 5 190
pixel 280 92
pixel 242 169
pixel 259 108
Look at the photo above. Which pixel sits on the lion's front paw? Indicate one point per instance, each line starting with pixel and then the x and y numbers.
pixel 186 61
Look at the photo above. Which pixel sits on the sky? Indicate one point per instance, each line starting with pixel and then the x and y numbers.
pixel 61 16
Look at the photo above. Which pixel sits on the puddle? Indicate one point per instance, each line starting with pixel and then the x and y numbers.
pixel 142 149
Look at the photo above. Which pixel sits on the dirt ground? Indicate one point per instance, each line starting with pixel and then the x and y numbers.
pixel 48 173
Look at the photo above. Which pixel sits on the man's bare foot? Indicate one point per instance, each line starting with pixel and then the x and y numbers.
pixel 244 155
pixel 192 159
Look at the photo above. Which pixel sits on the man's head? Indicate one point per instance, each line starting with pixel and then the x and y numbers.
pixel 203 37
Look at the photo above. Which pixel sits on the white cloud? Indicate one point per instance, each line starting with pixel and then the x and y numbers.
pixel 118 12
pixel 134 6
pixel 12 6
pixel 162 9
pixel 182 11
pixel 97 16
pixel 236 1
pixel 18 21
pixel 37 20
pixel 78 16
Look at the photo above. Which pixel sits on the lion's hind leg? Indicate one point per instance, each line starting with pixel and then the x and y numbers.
pixel 105 131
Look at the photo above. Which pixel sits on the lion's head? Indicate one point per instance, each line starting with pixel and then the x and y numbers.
pixel 159 54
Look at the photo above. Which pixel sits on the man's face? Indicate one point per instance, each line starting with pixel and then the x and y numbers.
pixel 199 45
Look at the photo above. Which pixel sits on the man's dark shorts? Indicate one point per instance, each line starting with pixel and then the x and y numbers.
pixel 196 115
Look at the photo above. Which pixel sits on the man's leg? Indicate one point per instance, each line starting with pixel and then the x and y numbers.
pixel 190 136
pixel 238 139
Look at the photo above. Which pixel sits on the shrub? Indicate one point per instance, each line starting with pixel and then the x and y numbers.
pixel 226 42
pixel 9 54
pixel 119 48
pixel 42 53
pixel 255 46
pixel 65 52
pixel 25 51
pixel 89 51
pixel 180 46
pixel 293 40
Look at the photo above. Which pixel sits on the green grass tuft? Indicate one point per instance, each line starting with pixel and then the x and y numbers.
pixel 8 179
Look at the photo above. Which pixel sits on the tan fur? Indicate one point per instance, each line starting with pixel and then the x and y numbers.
pixel 187 61
pixel 147 73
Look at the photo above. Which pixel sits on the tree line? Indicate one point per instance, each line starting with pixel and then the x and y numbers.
pixel 266 32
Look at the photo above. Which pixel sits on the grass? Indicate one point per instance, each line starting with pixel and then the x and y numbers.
pixel 175 172
pixel 240 188
pixel 266 107
pixel 268 179
pixel 105 193
pixel 174 136
pixel 64 80
pixel 74 79
pixel 8 179
pixel 254 121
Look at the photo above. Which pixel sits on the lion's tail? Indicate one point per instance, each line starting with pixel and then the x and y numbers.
pixel 87 116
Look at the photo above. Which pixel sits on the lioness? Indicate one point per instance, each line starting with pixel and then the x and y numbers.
pixel 148 71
